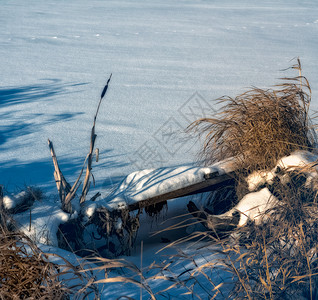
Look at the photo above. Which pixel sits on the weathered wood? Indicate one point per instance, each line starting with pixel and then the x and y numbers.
pixel 212 181
pixel 66 192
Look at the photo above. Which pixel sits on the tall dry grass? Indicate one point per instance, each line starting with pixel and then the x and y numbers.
pixel 278 259
pixel 27 273
pixel 261 125
pixel 24 272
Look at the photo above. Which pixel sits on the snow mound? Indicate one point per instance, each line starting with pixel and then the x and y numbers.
pixel 12 201
pixel 42 222
pixel 254 206
pixel 298 160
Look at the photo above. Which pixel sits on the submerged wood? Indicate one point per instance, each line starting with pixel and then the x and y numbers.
pixel 218 225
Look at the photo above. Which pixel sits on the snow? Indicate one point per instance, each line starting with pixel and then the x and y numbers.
pixel 303 160
pixel 90 209
pixel 300 158
pixel 189 262
pixel 169 60
pixel 255 204
pixel 41 223
pixel 145 184
pixel 253 207
pixel 10 202
pixel 258 178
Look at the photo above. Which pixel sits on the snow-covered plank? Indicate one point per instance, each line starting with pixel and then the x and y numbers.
pixel 148 187
pixel 199 187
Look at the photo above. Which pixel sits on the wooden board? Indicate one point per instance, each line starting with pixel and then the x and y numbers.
pixel 211 182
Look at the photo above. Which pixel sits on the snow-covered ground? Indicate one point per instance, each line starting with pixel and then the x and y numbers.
pixel 170 59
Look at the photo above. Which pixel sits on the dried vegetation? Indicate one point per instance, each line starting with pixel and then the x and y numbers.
pixel 278 259
pixel 275 260
pixel 25 271
pixel 261 125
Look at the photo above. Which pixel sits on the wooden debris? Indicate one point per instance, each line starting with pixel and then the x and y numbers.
pixel 211 182
pixel 213 222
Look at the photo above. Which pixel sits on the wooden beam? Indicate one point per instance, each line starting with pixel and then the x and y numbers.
pixel 211 182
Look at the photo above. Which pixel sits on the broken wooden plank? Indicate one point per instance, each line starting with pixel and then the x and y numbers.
pixel 149 187
pixel 211 182
pixel 218 225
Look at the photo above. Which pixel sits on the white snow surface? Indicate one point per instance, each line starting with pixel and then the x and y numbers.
pixel 254 205
pixel 297 160
pixel 170 59
pixel 258 178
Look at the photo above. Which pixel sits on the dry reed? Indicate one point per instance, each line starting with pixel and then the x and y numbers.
pixel 260 126
pixel 27 273
pixel 24 272
pixel 278 259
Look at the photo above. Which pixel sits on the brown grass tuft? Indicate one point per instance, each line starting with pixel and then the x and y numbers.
pixel 278 259
pixel 275 261
pixel 260 126
pixel 24 272
pixel 27 273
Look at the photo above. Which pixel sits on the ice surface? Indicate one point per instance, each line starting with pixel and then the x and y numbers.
pixel 169 60
pixel 55 59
